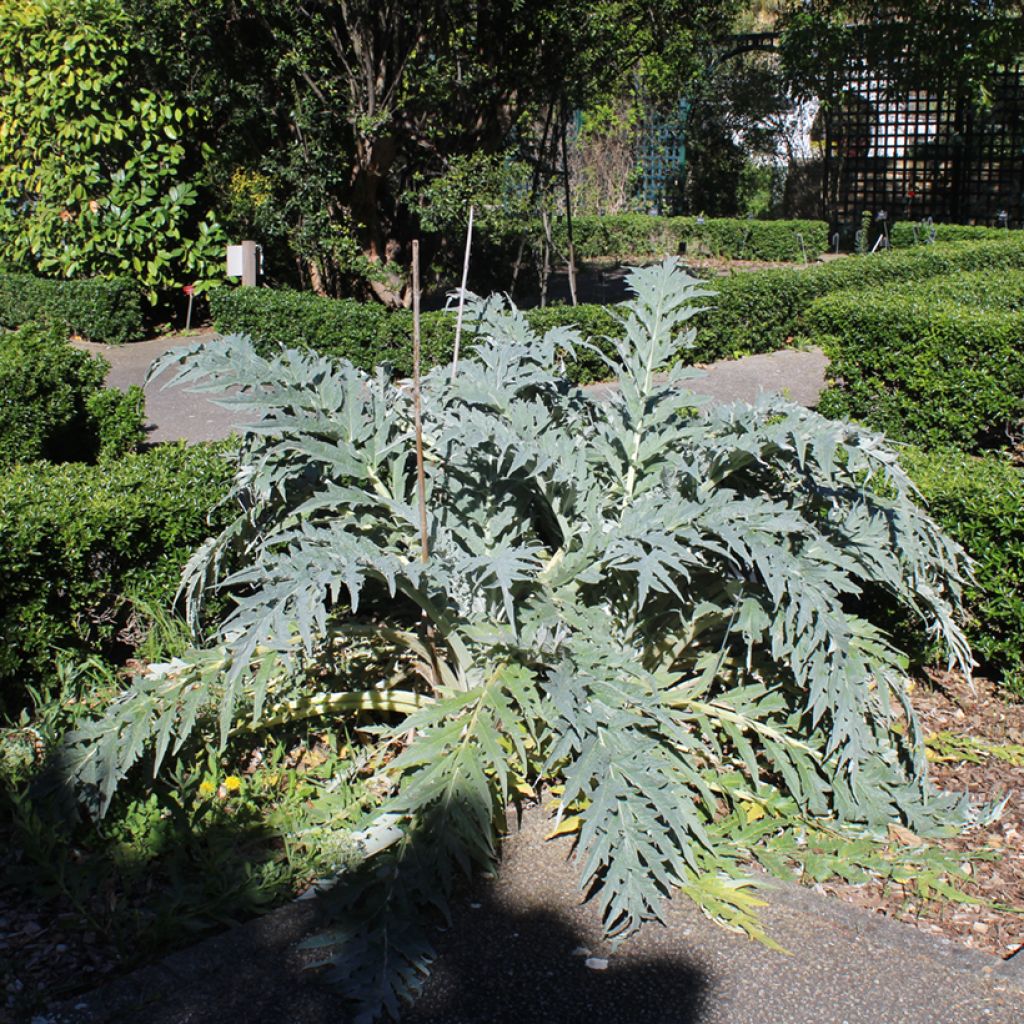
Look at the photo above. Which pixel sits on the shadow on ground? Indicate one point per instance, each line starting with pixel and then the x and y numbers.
pixel 505 968
pixel 498 967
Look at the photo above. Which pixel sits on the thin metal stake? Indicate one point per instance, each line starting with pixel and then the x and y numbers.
pixel 421 478
pixel 462 293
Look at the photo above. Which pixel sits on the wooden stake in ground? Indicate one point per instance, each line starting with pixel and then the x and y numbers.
pixel 462 293
pixel 421 477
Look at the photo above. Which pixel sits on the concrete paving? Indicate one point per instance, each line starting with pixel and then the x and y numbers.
pixel 517 948
pixel 176 414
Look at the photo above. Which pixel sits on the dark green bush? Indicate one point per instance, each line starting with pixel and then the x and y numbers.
pixel 636 235
pixel 368 334
pixel 751 312
pixel 76 539
pixel 99 309
pixel 979 500
pixel 935 363
pixel 908 232
pixel 53 404
pixel 761 312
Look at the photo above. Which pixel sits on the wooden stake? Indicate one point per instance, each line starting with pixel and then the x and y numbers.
pixel 462 292
pixel 421 477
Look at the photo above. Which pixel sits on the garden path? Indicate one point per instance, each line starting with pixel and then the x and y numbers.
pixel 175 413
pixel 516 952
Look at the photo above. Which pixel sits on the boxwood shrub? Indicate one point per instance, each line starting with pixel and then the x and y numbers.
pixel 53 404
pixel 76 539
pixel 751 311
pixel 936 363
pixel 907 232
pixel 368 334
pixel 641 236
pixel 108 310
pixel 979 500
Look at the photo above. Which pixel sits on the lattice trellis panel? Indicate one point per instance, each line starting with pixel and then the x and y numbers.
pixel 926 154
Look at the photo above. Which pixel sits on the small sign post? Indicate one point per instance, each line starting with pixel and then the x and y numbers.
pixel 243 262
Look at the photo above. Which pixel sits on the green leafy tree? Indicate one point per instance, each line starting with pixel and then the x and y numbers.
pixel 94 170
pixel 941 45
pixel 344 109
pixel 662 605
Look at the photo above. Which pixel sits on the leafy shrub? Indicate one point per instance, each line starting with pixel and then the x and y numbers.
pixel 761 312
pixel 749 312
pixel 937 363
pixel 368 334
pixel 632 235
pixel 76 539
pixel 906 233
pixel 99 309
pixel 53 404
pixel 979 501
pixel 118 419
pixel 96 170
pixel 645 600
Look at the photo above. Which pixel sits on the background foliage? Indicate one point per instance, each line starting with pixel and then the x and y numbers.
pixel 79 541
pixel 55 405
pixel 96 170
pixel 107 310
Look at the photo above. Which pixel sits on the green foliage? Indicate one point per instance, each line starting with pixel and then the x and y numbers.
pixel 634 235
pixel 980 502
pixel 55 405
pixel 99 309
pixel 906 233
pixel 763 312
pixel 93 167
pixel 216 839
pixel 935 363
pixel 636 598
pixel 367 334
pixel 750 312
pixel 118 418
pixel 77 540
pixel 951 746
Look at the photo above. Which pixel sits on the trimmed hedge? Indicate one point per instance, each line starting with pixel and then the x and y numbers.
pixel 980 502
pixel 99 309
pixel 637 235
pixel 75 539
pixel 907 232
pixel 937 363
pixel 53 404
pixel 368 334
pixel 751 312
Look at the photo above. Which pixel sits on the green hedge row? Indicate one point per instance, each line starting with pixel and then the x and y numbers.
pixel 75 540
pixel 907 232
pixel 368 334
pixel 750 312
pixel 53 403
pixel 99 309
pixel 980 502
pixel 636 235
pixel 935 363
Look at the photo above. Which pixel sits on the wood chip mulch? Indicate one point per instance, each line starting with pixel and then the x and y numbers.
pixel 947 703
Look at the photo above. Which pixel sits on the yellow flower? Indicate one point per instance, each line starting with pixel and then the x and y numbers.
pixel 232 783
pixel 207 788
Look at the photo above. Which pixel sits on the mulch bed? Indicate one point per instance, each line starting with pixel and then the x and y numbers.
pixel 947 703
